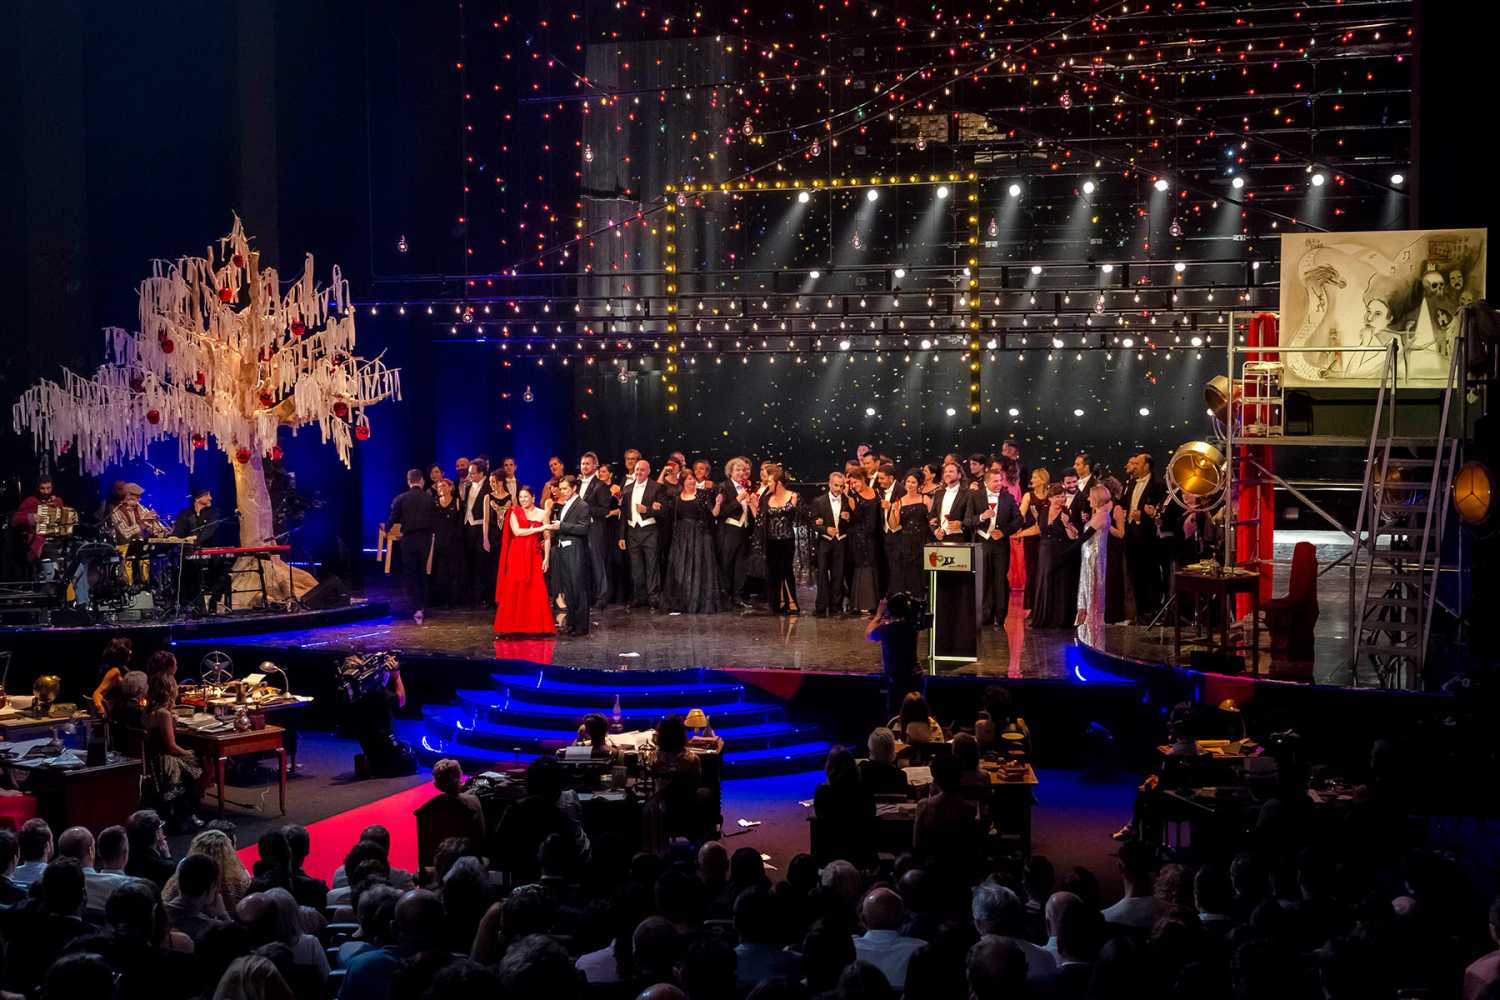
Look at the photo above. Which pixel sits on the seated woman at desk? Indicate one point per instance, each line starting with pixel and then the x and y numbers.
pixel 176 771
pixel 915 724
pixel 594 733
pixel 673 808
pixel 845 809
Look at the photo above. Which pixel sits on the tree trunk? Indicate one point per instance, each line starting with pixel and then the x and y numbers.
pixel 253 500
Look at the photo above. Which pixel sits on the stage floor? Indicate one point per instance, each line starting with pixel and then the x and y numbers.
pixel 638 640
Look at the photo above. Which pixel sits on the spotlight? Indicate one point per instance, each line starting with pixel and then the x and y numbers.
pixel 951 411
pixel 1036 269
pixel 1318 179
pixel 942 191
pixel 1196 341
pixel 869 411
pixel 803 197
pixel 1077 413
pixel 1237 183
pixel 871 194
pixel 1179 267
pixel 1014 412
pixel 1015 190
pixel 1145 411
pixel 1128 342
pixel 843 345
pixel 1088 187
pixel 1107 268
pixel 900 273
pixel 926 345
pixel 1398 179
pixel 1161 184
pixel 815 275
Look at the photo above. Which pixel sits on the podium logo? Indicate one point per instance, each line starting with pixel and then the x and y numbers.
pixel 938 561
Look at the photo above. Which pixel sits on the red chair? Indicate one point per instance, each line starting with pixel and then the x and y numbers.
pixel 15 810
pixel 1290 619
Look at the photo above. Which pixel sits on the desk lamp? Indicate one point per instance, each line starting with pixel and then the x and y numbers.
pixel 1233 707
pixel 696 721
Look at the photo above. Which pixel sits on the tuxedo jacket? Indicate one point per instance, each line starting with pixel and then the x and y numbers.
pixel 1007 516
pixel 821 509
pixel 967 508
pixel 464 490
pixel 654 493
pixel 575 526
pixel 1078 507
pixel 598 498
pixel 1154 495
pixel 730 507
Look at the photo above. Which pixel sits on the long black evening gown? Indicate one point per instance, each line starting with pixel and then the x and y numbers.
pixel 781 554
pixel 864 536
pixel 692 568
pixel 448 557
pixel 905 547
pixel 1056 588
pixel 1031 547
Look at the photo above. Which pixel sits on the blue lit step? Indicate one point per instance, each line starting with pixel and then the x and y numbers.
pixel 806 756
pixel 677 693
pixel 498 707
pixel 462 724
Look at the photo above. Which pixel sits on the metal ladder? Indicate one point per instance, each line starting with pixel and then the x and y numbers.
pixel 1398 541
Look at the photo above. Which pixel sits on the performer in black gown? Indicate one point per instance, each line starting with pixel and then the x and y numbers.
pixel 778 511
pixel 1033 507
pixel 909 532
pixel 693 580
pixel 864 541
pixel 1056 588
pixel 448 549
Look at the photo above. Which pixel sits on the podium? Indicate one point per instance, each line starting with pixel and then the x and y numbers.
pixel 955 595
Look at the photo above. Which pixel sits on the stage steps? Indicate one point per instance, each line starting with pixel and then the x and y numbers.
pixel 529 711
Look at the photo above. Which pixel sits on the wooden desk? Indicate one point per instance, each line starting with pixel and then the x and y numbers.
pixel 1015 796
pixel 215 749
pixel 25 726
pixel 95 797
pixel 1223 586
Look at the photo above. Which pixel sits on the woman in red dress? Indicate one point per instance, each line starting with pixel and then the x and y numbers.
pixel 520 587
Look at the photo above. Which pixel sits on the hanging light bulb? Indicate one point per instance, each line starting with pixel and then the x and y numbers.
pixel 921 142
pixel 528 396
pixel 588 153
pixel 817 148
pixel 1175 228
pixel 401 245
pixel 855 242
pixel 993 229
pixel 1066 100
pixel 749 128
pixel 681 199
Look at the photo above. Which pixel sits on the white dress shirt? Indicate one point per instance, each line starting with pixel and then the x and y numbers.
pixel 950 494
pixel 565 541
pixel 1136 492
pixel 888 951
pixel 637 519
pixel 836 504
pixel 741 496
pixel 472 516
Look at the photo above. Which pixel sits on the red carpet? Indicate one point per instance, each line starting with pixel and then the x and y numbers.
pixel 332 837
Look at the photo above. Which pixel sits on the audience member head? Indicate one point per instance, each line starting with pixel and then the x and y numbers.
pixel 996 969
pixel 161 662
pixel 273 849
pixel 747 869
pixel 448 776
pixel 449 850
pixel 81 974
pixel 1082 883
pixel 1077 926
pixel 62 887
pixel 299 844
pixel 713 863
pixel 1173 885
pixel 913 709
pixel 375 912
pixel 77 843
pixel 537 968
pixel 679 898
pixel 882 910
pixel 946 776
pixel 253 977
pixel 35 840
pixel 671 735
pixel 596 728
pixel 418 921
pixel 161 691
pixel 1247 877
pixel 997 910
pixel 656 947
pixel 1038 878
pixel 756 916
pixel 882 745
pixel 863 981
pixel 1137 865
pixel 112 849
pixel 826 951
pixel 842 882
pixel 966 752
pixel 197 878
pixel 544 779
pixel 1212 891
pixel 1120 970
pixel 840 768
pixel 707 970
pixel 131 913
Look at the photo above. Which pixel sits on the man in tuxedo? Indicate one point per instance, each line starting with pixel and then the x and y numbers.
pixel 1078 507
pixel 955 509
pixel 1143 499
pixel 593 491
pixel 570 527
pixel 416 513
pixel 830 517
pixel 999 518
pixel 479 586
pixel 641 503
pixel 736 523
pixel 889 492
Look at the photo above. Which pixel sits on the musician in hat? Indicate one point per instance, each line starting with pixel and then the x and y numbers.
pixel 198 523
pixel 132 520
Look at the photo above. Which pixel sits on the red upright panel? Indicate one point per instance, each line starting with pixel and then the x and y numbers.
pixel 1256 502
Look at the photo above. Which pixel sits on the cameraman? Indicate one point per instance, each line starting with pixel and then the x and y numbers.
pixel 895 625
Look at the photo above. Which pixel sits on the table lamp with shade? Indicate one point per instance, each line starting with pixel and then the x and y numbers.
pixel 1233 707
pixel 697 721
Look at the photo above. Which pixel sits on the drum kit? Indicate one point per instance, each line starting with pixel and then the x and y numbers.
pixel 80 568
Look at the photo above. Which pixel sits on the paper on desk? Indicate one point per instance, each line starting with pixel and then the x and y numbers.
pixel 918 776
pixel 66 759
pixel 21 748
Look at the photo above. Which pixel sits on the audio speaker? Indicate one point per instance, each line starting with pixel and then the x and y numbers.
pixel 330 593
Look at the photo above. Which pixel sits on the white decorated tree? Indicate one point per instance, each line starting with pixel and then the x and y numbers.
pixel 224 358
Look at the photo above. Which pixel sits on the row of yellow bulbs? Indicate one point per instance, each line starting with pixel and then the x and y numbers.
pixel 820 182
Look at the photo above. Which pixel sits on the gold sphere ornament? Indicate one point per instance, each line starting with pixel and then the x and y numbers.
pixel 44 694
pixel 1473 485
